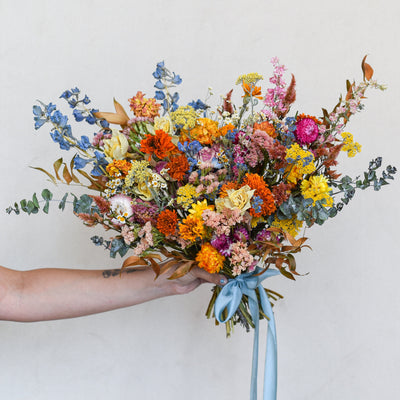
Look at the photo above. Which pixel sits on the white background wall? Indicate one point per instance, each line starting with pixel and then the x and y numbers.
pixel 338 327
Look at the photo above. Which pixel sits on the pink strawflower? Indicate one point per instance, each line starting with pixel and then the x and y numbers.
pixel 128 235
pixel 306 131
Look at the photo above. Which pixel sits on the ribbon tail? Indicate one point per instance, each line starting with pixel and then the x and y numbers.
pixel 254 311
pixel 271 364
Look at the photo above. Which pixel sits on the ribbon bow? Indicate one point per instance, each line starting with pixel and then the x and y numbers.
pixel 229 298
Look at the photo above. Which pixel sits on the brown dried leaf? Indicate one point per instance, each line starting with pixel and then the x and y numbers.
pixel 47 173
pixel 66 175
pixel 57 165
pixel 367 69
pixel 182 270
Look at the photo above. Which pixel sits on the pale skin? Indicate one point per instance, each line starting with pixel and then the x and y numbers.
pixel 50 293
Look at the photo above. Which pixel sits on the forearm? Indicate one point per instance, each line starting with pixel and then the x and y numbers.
pixel 45 294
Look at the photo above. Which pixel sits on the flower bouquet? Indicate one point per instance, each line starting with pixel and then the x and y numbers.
pixel 227 189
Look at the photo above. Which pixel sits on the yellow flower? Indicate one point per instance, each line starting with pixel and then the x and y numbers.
pixel 291 226
pixel 192 228
pixel 186 195
pixel 253 77
pixel 236 199
pixel 317 188
pixel 209 259
pixel 205 131
pixel 116 148
pixel 164 124
pixel 301 162
pixel 198 208
pixel 143 191
pixel 349 145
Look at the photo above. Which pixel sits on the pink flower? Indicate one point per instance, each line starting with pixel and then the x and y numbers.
pixel 306 131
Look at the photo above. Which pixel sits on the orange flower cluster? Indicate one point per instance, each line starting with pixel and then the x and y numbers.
pixel 210 259
pixel 178 166
pixel 226 128
pixel 192 228
pixel 256 182
pixel 304 116
pixel 227 186
pixel 159 144
pixel 118 167
pixel 142 107
pixel 205 131
pixel 167 222
pixel 251 90
pixel 266 127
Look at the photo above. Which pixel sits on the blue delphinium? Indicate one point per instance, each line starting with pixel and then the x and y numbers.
pixel 166 80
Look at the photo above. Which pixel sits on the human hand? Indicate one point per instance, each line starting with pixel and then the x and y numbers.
pixel 195 278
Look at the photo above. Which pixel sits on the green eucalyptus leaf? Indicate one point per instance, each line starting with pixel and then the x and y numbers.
pixel 61 206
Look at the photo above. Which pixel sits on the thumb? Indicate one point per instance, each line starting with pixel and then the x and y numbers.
pixel 217 279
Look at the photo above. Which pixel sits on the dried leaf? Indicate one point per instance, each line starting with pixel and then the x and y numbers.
pixel 367 69
pixel 120 117
pixel 57 165
pixel 67 175
pixel 182 270
pixel 47 173
pixel 73 176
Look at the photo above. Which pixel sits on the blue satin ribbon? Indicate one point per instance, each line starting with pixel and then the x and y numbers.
pixel 229 298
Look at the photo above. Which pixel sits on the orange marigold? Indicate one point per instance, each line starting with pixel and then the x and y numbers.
pixel 227 186
pixel 256 182
pixel 226 128
pixel 266 127
pixel 205 131
pixel 159 144
pixel 117 167
pixel 167 222
pixel 178 166
pixel 210 259
pixel 304 116
pixel 192 228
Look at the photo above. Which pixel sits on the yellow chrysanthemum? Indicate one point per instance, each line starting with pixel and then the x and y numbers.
pixel 192 228
pixel 209 259
pixel 198 208
pixel 349 145
pixel 317 188
pixel 291 226
pixel 186 195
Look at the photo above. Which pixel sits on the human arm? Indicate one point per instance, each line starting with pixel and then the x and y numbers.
pixel 49 293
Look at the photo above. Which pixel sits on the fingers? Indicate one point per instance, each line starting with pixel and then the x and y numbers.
pixel 217 279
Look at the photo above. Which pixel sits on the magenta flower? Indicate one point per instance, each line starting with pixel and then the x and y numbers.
pixel 306 131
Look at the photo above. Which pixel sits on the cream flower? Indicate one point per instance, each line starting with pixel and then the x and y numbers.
pixel 143 191
pixel 164 123
pixel 236 199
pixel 116 148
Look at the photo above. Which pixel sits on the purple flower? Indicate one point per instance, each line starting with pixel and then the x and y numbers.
pixel 306 131
pixel 223 244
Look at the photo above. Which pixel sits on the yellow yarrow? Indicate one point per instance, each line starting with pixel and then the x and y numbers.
pixel 186 195
pixel 185 117
pixel 210 259
pixel 291 226
pixel 349 145
pixel 317 188
pixel 253 77
pixel 139 173
pixel 301 162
